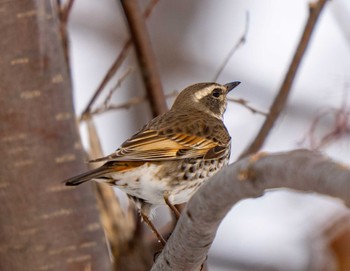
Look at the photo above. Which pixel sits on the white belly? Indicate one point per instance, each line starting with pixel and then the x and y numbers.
pixel 143 183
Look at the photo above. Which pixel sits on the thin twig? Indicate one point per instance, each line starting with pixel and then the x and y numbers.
pixel 63 14
pixel 65 10
pixel 283 93
pixel 112 70
pixel 340 129
pixel 131 102
pixel 245 104
pixel 310 136
pixel 113 89
pixel 117 63
pixel 145 56
pixel 238 44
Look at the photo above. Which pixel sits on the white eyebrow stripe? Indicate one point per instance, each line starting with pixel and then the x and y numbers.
pixel 202 93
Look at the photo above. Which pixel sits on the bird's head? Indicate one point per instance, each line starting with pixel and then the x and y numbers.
pixel 209 98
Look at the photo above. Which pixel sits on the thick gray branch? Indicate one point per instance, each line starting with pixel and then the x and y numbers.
pixel 303 170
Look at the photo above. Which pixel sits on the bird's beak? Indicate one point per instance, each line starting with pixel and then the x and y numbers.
pixel 231 86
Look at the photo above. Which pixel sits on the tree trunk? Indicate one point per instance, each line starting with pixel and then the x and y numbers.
pixel 43 224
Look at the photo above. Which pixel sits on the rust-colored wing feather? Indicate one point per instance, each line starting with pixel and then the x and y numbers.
pixel 152 145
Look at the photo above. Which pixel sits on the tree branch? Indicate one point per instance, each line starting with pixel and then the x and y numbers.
pixel 63 14
pixel 283 93
pixel 237 45
pixel 145 56
pixel 107 101
pixel 116 64
pixel 131 102
pixel 65 11
pixel 303 170
pixel 245 104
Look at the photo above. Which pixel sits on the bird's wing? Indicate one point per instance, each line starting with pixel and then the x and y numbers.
pixel 150 145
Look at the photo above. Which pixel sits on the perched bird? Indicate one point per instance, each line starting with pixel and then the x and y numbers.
pixel 171 156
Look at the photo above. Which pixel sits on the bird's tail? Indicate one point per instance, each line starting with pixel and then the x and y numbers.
pixel 113 166
pixel 89 175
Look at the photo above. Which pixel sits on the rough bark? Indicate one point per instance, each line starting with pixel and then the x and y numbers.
pixel 44 225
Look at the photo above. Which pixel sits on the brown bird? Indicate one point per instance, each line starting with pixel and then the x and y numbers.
pixel 170 157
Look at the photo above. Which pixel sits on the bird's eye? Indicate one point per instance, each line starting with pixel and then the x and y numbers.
pixel 216 93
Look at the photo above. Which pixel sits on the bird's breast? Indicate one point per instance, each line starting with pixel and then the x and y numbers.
pixel 181 178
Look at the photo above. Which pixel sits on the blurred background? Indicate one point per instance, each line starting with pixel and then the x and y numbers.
pixel 283 229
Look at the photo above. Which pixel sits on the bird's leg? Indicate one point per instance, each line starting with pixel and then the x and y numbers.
pixel 153 228
pixel 171 206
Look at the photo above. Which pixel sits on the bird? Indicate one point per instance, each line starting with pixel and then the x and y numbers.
pixel 166 161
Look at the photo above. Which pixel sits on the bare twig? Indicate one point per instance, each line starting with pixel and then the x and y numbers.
pixel 238 44
pixel 113 89
pixel 283 93
pixel 65 10
pixel 131 102
pixel 311 133
pixel 112 70
pixel 117 63
pixel 145 56
pixel 245 104
pixel 194 233
pixel 340 128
